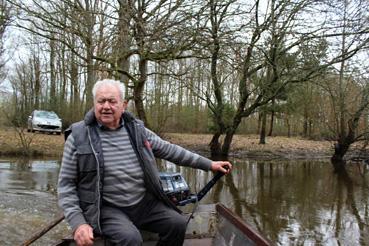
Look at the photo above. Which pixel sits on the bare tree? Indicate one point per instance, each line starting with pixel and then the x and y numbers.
pixel 72 23
pixel 263 74
pixel 349 89
pixel 5 19
pixel 159 31
pixel 121 39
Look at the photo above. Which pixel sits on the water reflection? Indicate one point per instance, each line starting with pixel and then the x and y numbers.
pixel 290 202
pixel 294 202
pixel 26 175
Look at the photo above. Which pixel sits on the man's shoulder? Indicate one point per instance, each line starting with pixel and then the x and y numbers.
pixel 76 127
pixel 81 123
pixel 130 118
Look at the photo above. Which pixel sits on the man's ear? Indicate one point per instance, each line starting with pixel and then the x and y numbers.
pixel 125 104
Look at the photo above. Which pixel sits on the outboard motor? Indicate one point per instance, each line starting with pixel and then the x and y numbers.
pixel 174 186
pixel 177 190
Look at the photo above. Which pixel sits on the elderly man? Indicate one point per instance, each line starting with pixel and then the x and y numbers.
pixel 109 184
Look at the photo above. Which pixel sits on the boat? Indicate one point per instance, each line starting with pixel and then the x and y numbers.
pixel 210 225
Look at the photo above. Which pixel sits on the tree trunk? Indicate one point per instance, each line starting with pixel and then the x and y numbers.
pixel 52 99
pixel 138 92
pixel 340 149
pixel 215 146
pixel 227 142
pixel 37 74
pixel 62 68
pixel 344 140
pixel 124 42
pixel 260 116
pixel 90 49
pixel 310 128
pixel 222 151
pixel 271 123
pixel 89 83
pixel 305 125
pixel 74 88
pixel 263 128
pixel 287 120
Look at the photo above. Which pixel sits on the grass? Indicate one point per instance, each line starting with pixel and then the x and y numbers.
pixel 41 144
pixel 46 145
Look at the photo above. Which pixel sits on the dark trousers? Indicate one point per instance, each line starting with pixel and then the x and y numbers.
pixel 120 226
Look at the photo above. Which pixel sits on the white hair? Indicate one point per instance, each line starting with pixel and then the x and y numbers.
pixel 110 82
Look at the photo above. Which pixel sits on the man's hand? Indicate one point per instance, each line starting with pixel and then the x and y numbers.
pixel 84 235
pixel 222 166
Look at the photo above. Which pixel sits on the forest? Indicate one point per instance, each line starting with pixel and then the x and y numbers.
pixel 223 67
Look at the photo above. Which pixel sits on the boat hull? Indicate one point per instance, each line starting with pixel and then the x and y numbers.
pixel 211 225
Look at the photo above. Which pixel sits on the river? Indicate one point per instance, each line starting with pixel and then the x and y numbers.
pixel 294 202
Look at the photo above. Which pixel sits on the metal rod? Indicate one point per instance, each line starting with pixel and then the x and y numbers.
pixel 40 233
pixel 203 191
pixel 209 185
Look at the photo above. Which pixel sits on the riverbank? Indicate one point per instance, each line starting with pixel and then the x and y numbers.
pixel 247 146
pixel 15 143
pixel 12 143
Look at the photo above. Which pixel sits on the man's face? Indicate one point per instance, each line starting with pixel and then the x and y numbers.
pixel 108 106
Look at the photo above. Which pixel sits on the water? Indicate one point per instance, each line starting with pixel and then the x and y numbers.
pixel 28 200
pixel 290 202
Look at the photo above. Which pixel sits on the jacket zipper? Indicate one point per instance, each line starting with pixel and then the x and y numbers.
pixel 98 179
pixel 150 174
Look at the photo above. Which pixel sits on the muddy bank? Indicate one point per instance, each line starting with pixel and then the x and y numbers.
pixel 263 153
pixel 13 143
pixel 247 146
